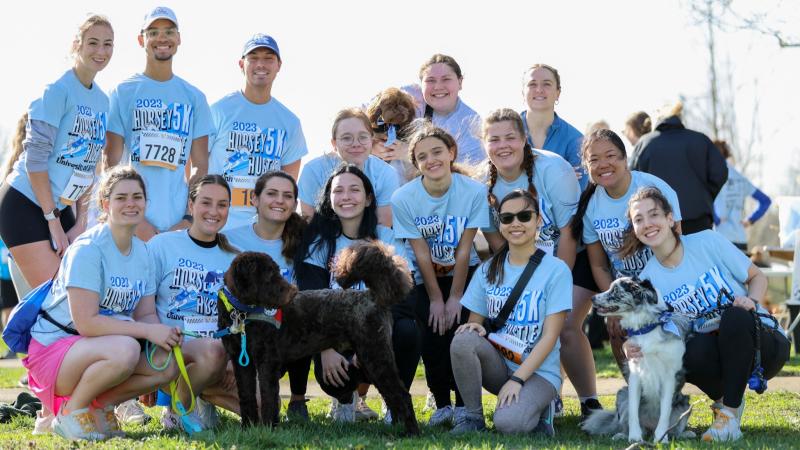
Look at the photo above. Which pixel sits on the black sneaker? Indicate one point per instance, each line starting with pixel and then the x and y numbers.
pixel 588 406
pixel 297 411
pixel 545 425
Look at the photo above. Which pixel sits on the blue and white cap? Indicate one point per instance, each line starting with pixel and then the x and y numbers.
pixel 261 40
pixel 159 12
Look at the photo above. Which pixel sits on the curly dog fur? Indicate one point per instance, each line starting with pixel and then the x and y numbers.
pixel 317 320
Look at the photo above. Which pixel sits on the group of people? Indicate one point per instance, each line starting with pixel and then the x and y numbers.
pixel 137 245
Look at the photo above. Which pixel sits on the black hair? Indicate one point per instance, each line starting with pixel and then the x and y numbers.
pixel 495 273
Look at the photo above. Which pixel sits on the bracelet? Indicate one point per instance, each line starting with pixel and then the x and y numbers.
pixel 517 379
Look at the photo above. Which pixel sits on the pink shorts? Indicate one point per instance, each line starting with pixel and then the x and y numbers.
pixel 43 364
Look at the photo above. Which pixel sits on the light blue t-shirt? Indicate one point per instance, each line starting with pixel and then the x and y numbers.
pixel 565 141
pixel 5 257
pixel 159 120
pixel 93 262
pixel 729 205
pixel 188 278
pixel 558 196
pixel 606 220
pixel 317 171
pixel 249 140
pixel 710 262
pixel 246 239
pixel 464 124
pixel 319 254
pixel 440 220
pixel 549 291
pixel 81 116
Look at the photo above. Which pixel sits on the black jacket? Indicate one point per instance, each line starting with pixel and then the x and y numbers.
pixel 686 160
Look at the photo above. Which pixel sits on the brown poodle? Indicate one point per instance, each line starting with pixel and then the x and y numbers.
pixel 313 321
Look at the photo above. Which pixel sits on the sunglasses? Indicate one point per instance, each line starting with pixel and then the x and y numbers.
pixel 523 216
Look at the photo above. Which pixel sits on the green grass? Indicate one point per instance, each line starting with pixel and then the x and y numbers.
pixel 770 421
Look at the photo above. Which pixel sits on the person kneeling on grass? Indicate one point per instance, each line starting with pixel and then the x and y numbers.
pixel 84 357
pixel 524 369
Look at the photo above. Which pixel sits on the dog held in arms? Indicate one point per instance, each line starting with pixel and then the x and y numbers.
pixel 313 321
pixel 653 399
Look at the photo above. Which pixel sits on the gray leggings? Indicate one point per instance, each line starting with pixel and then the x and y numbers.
pixel 476 364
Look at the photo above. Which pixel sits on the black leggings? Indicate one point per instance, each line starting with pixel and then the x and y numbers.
pixel 721 363
pixel 405 345
pixel 436 348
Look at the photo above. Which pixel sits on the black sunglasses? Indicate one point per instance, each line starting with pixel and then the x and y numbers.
pixel 523 216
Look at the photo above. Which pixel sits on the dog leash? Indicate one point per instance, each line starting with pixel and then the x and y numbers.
pixel 177 405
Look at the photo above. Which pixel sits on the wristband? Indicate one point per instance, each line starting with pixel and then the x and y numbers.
pixel 517 379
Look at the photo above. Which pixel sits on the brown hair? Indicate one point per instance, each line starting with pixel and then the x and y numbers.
pixel 293 228
pixel 528 159
pixel 441 59
pixel 90 21
pixel 428 130
pixel 723 148
pixel 350 113
pixel 543 66
pixel 494 275
pixel 630 243
pixel 194 190
pixel 391 107
pixel 640 123
pixel 110 180
pixel 16 145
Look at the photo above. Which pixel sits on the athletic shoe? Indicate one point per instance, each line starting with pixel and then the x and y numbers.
pixel 559 406
pixel 363 412
pixel 77 425
pixel 725 427
pixel 739 410
pixel 441 416
pixel 297 411
pixel 107 422
pixel 467 422
pixel 387 414
pixel 131 413
pixel 545 424
pixel 430 402
pixel 342 412
pixel 43 424
pixel 23 381
pixel 170 420
pixel 206 414
pixel 588 406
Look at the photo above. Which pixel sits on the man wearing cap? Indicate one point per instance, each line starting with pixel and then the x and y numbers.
pixel 254 132
pixel 163 122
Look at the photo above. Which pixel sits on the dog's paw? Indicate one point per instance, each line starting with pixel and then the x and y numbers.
pixel 661 433
pixel 618 436
pixel 635 436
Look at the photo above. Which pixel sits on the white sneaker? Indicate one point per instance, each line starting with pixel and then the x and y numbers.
pixel 77 425
pixel 725 427
pixel 363 412
pixel 430 402
pixel 342 412
pixel 43 424
pixel 131 413
pixel 206 414
pixel 739 410
pixel 442 416
pixel 107 422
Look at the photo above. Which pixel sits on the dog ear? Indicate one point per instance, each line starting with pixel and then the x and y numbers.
pixel 647 284
pixel 649 291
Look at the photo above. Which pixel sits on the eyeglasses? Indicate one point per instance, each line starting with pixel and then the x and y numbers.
pixel 523 216
pixel 153 33
pixel 347 140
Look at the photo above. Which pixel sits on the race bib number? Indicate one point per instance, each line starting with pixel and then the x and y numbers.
pixel 160 149
pixel 240 198
pixel 78 183
pixel 509 346
pixel 202 325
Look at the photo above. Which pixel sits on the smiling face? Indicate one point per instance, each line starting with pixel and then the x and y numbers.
pixel 348 197
pixel 353 141
pixel 606 163
pixel 95 48
pixel 433 158
pixel 260 67
pixel 505 146
pixel 519 233
pixel 540 90
pixel 160 40
pixel 125 206
pixel 276 201
pixel 651 225
pixel 209 211
pixel 440 86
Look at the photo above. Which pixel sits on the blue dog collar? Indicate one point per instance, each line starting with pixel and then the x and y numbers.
pixel 665 321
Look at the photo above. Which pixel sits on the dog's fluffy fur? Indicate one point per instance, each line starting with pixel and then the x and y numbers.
pixel 317 320
pixel 653 399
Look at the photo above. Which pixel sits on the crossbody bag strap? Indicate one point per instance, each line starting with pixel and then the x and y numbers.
pixel 511 301
pixel 46 316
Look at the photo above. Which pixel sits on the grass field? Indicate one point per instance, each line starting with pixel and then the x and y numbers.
pixel 771 421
